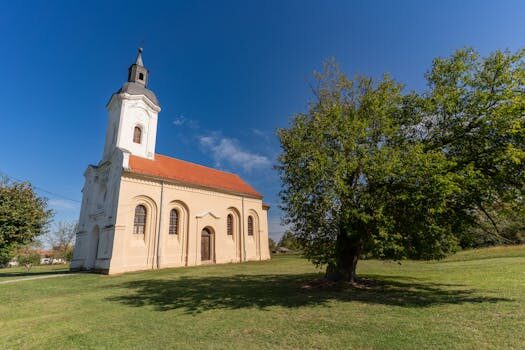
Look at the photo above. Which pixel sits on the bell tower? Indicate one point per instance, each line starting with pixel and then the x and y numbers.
pixel 133 112
pixel 136 72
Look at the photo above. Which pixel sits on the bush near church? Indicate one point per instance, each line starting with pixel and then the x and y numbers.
pixel 28 258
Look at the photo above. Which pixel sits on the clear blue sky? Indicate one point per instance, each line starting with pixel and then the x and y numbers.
pixel 227 73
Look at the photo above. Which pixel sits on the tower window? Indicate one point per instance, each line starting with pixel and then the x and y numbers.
pixel 137 135
pixel 141 76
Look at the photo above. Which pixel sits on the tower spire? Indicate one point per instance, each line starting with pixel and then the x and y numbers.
pixel 139 61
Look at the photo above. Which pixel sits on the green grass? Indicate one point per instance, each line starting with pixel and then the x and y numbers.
pixel 489 253
pixel 475 300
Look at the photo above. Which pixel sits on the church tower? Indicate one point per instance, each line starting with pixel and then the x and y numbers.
pixel 133 112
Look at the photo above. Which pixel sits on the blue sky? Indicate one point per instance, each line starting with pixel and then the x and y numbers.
pixel 227 74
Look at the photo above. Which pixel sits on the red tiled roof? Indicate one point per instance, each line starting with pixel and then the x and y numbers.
pixel 190 173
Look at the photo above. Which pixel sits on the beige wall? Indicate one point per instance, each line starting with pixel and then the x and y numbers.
pixel 198 208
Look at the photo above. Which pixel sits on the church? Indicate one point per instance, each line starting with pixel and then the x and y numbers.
pixel 142 210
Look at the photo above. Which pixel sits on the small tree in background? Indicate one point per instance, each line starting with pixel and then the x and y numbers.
pixel 28 257
pixel 61 239
pixel 289 241
pixel 5 257
pixel 68 256
pixel 271 244
pixel 23 216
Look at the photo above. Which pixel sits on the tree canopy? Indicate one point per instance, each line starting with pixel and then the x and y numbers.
pixel 23 216
pixel 372 169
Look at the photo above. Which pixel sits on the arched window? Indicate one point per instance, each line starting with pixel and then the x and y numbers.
pixel 229 225
pixel 137 135
pixel 174 222
pixel 139 224
pixel 250 225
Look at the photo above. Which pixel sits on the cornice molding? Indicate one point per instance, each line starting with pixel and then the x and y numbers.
pixel 126 96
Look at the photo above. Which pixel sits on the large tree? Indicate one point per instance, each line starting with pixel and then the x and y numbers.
pixel 370 169
pixel 23 216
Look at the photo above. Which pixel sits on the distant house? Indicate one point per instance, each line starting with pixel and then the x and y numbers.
pixel 13 263
pixel 44 253
pixel 281 250
pixel 46 257
pixel 46 261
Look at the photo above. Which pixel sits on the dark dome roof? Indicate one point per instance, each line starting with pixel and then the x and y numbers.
pixel 138 89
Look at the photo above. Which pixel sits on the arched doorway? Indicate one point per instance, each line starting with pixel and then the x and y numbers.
pixel 207 245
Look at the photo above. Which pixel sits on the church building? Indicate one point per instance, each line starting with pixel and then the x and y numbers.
pixel 142 210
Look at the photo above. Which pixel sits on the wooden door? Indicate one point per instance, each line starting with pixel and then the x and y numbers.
pixel 205 245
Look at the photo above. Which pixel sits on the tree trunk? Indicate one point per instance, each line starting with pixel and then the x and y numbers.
pixel 348 250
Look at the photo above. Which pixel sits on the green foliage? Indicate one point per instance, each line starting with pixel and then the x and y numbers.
pixel 354 183
pixel 509 228
pixel 289 241
pixel 5 257
pixel 68 254
pixel 271 244
pixel 28 258
pixel 369 169
pixel 477 107
pixel 23 216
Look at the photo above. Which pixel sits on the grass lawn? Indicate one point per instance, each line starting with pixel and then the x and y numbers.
pixel 474 300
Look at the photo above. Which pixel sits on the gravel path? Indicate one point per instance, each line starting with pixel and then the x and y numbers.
pixel 38 277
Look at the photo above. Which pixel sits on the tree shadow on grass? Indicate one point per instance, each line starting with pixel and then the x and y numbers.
pixel 197 294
